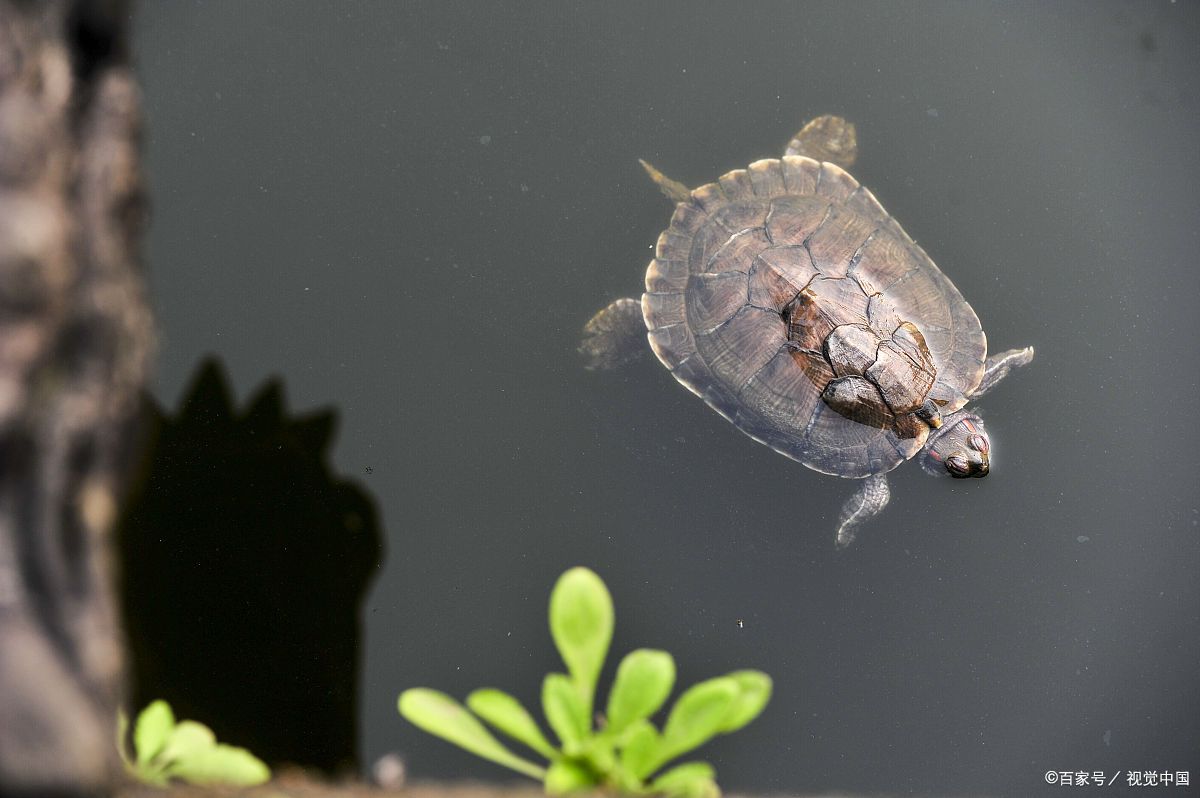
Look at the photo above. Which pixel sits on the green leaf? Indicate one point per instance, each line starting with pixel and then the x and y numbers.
pixel 685 772
pixel 697 716
pixel 581 622
pixel 152 773
pixel 639 754
pixel 564 712
pixel 122 743
pixel 690 780
pixel 148 772
pixel 599 755
pixel 695 788
pixel 221 764
pixel 622 782
pixel 565 776
pixel 754 693
pixel 644 680
pixel 186 750
pixel 506 714
pixel 442 716
pixel 187 739
pixel 152 729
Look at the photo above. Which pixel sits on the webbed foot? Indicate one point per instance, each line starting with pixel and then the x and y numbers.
pixel 865 504
pixel 614 336
pixel 826 138
pixel 998 367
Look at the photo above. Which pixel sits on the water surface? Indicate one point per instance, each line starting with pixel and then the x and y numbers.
pixel 409 210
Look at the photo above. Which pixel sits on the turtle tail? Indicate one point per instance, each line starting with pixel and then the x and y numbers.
pixel 673 189
pixel 614 336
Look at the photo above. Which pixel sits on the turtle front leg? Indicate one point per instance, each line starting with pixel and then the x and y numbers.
pixel 998 367
pixel 865 504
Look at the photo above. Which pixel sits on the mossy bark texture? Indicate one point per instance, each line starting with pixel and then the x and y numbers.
pixel 75 335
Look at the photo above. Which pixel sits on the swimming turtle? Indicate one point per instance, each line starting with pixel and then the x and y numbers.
pixel 790 301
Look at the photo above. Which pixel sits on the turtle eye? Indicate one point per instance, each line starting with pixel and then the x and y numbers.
pixel 978 443
pixel 958 466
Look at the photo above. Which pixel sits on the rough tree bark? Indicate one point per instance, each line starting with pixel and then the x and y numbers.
pixel 75 334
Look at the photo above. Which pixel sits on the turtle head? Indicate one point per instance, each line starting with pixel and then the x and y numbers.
pixel 959 448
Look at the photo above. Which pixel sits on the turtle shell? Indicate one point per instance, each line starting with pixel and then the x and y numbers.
pixel 787 298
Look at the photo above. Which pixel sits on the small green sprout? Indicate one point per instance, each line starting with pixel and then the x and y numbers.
pixel 186 750
pixel 627 753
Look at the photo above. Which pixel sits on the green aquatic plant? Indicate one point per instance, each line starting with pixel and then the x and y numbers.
pixel 625 752
pixel 164 749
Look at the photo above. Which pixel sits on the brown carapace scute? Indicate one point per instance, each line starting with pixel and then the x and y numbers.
pixel 789 300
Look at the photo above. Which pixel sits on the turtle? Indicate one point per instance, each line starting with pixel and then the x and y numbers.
pixel 797 308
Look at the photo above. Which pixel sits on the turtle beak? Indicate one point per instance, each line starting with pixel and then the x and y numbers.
pixel 984 468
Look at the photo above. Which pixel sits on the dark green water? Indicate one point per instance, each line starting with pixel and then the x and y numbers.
pixel 408 210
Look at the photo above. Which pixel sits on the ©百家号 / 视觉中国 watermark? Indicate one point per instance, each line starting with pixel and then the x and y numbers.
pixel 1125 778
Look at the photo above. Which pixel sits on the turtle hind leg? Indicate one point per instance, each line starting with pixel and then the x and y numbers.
pixel 865 504
pixel 826 138
pixel 998 367
pixel 614 336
